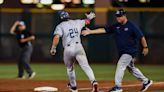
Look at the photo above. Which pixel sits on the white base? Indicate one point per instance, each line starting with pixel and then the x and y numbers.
pixel 45 89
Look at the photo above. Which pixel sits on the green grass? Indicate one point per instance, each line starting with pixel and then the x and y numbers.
pixel 102 72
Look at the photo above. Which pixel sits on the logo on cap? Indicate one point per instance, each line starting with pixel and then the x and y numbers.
pixel 22 23
pixel 120 13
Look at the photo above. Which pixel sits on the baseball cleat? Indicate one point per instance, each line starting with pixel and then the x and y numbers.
pixel 116 89
pixel 94 86
pixel 146 85
pixel 23 77
pixel 31 76
pixel 72 89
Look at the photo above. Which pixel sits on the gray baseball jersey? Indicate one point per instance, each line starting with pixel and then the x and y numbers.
pixel 70 32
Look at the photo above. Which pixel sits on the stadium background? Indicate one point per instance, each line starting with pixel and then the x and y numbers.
pixel 43 20
pixel 101 50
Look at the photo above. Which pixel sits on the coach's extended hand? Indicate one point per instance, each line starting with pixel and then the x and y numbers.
pixel 86 31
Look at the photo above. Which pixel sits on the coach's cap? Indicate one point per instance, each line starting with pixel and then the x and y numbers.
pixel 22 23
pixel 120 13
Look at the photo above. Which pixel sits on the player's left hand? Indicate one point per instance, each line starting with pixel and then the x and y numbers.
pixel 145 51
pixel 90 16
pixel 53 50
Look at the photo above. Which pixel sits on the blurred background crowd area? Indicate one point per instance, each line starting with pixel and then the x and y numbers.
pixel 41 18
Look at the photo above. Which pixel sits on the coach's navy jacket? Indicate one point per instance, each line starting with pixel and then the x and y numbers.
pixel 126 36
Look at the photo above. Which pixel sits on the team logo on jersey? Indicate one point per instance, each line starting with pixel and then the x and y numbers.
pixel 22 35
pixel 117 27
pixel 126 29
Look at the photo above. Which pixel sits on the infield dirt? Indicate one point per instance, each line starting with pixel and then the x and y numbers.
pixel 15 85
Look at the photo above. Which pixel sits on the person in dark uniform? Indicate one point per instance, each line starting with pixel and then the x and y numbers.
pixel 24 38
pixel 127 34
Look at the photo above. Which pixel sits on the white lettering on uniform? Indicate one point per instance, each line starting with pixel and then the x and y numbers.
pixel 118 27
pixel 126 29
pixel 22 35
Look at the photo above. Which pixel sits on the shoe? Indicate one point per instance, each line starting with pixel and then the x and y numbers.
pixel 146 85
pixel 22 77
pixel 72 89
pixel 94 86
pixel 116 89
pixel 32 75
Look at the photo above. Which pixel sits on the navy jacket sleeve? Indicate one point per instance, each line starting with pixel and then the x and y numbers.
pixel 109 29
pixel 137 31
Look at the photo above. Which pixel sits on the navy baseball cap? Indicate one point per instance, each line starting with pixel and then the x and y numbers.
pixel 120 12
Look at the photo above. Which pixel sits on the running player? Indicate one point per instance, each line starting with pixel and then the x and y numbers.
pixel 70 31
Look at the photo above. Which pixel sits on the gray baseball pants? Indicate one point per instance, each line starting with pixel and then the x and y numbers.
pixel 24 61
pixel 72 53
pixel 126 61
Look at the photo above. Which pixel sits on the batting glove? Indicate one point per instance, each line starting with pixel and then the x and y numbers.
pixel 53 50
pixel 90 16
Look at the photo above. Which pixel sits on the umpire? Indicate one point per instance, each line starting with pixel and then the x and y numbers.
pixel 127 34
pixel 24 38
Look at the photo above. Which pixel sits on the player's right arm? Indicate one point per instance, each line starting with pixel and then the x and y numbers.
pixel 55 41
pixel 54 44
pixel 89 16
pixel 57 34
pixel 13 28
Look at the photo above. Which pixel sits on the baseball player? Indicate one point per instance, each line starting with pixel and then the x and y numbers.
pixel 24 38
pixel 70 31
pixel 126 34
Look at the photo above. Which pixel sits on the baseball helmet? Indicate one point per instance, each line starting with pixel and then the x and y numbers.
pixel 64 15
pixel 120 12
